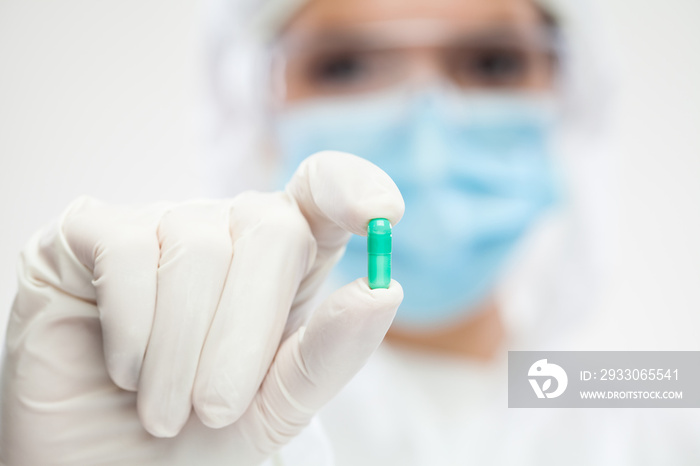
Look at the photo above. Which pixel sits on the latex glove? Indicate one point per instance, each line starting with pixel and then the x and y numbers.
pixel 126 319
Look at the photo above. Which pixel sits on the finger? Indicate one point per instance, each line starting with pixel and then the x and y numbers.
pixel 55 387
pixel 339 193
pixel 273 250
pixel 120 247
pixel 315 363
pixel 195 256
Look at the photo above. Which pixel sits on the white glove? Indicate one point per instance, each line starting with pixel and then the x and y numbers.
pixel 126 319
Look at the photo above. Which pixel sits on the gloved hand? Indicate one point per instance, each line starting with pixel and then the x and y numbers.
pixel 126 319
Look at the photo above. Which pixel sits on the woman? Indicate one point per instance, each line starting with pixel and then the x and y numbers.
pixel 193 333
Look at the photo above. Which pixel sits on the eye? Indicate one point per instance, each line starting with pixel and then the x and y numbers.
pixel 499 65
pixel 491 67
pixel 338 69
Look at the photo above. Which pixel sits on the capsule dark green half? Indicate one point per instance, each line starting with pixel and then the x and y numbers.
pixel 379 253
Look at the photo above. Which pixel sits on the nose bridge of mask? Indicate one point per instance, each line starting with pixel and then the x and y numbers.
pixel 428 141
pixel 488 142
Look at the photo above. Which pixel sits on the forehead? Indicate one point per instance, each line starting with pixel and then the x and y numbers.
pixel 334 14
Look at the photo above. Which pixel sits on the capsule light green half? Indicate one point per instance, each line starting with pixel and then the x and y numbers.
pixel 379 253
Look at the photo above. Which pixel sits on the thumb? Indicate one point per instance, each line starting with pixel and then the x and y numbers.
pixel 317 361
pixel 339 193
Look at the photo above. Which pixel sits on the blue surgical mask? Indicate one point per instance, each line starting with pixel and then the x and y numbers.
pixel 475 174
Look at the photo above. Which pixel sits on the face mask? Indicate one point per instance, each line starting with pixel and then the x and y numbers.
pixel 474 172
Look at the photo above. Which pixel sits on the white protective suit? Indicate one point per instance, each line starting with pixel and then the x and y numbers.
pixel 411 408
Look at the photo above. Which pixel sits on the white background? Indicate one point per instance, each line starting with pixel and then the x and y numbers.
pixel 98 98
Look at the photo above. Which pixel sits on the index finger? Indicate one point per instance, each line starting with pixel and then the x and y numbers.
pixel 339 193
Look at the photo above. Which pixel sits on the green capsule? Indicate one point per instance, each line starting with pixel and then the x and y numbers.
pixel 379 253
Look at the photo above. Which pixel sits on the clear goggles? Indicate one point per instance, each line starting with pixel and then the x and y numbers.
pixel 374 56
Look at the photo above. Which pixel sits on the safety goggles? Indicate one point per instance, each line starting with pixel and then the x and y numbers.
pixel 374 56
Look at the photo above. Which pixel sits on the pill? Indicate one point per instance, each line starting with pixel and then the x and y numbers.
pixel 379 253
